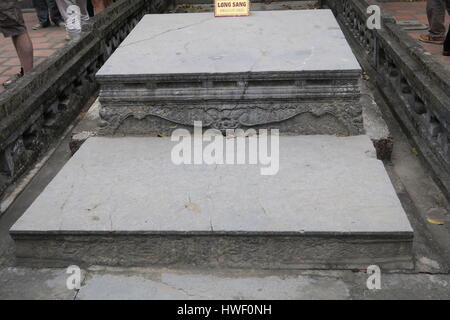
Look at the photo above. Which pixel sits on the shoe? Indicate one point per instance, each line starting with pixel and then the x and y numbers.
pixel 39 26
pixel 13 79
pixel 60 24
pixel 446 53
pixel 428 39
pixel 67 37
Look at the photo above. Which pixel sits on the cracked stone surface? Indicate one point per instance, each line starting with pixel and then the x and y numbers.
pixel 174 44
pixel 24 283
pixel 236 284
pixel 150 283
pixel 324 184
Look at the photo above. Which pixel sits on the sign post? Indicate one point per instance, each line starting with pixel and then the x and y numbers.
pixel 231 8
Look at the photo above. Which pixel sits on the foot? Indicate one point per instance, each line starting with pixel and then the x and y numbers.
pixel 13 79
pixel 428 39
pixel 39 26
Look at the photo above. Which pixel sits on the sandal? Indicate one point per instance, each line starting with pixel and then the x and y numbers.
pixel 428 39
pixel 38 26
pixel 13 79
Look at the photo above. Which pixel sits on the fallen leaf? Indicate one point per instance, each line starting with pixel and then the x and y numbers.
pixel 435 221
pixel 193 207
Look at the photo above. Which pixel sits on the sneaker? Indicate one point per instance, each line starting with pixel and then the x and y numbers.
pixel 39 26
pixel 13 79
pixel 428 39
pixel 60 24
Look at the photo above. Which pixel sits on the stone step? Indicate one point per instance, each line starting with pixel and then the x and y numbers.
pixel 123 202
pixel 174 69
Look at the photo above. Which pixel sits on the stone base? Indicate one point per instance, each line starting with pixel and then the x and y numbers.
pixel 232 73
pixel 296 118
pixel 215 250
pixel 121 201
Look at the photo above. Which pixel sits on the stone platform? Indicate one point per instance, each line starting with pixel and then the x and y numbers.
pixel 121 201
pixel 291 70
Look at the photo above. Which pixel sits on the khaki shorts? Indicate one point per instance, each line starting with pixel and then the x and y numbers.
pixel 11 19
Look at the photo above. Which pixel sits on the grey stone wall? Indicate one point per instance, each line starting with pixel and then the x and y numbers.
pixel 415 85
pixel 40 106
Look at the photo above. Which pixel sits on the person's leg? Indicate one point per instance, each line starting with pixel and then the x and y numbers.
pixel 90 8
pixel 12 25
pixel 98 5
pixel 42 13
pixel 83 9
pixel 24 49
pixel 447 44
pixel 55 15
pixel 62 6
pixel 107 3
pixel 436 18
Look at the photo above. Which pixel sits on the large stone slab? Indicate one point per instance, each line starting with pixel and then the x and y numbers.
pixel 291 70
pixel 121 201
pixel 199 43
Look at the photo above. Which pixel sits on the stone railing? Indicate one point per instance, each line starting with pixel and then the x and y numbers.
pixel 41 105
pixel 414 84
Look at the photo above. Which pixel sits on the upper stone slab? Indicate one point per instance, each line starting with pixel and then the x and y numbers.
pixel 199 43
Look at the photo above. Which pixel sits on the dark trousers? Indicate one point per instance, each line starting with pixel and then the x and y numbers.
pixel 47 11
pixel 436 17
pixel 447 42
pixel 90 8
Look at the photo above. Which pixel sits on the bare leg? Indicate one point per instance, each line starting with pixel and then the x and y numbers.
pixel 98 5
pixel 24 49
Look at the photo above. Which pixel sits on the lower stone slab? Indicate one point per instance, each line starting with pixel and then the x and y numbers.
pixel 216 250
pixel 121 201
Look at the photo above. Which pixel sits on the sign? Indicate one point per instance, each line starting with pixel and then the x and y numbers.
pixel 231 8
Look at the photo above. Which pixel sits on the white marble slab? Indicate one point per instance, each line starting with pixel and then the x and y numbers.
pixel 266 41
pixel 325 184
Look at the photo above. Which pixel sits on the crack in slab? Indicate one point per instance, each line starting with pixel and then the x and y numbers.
pixel 164 32
pixel 183 291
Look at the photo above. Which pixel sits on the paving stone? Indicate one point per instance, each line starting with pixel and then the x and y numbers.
pixel 240 284
pixel 25 283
